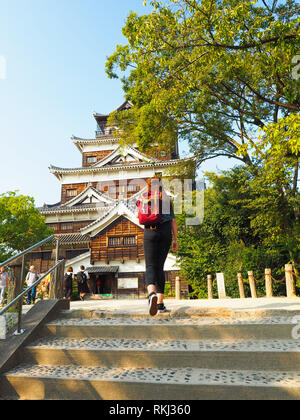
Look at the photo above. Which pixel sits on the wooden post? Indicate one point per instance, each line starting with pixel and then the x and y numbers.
pixel 210 286
pixel 252 284
pixel 268 279
pixel 177 288
pixel 15 274
pixel 241 286
pixel 56 283
pixel 290 283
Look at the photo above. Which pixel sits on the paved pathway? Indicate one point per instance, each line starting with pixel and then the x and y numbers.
pixel 218 307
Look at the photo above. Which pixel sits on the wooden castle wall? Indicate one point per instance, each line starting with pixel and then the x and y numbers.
pixel 68 227
pixel 99 155
pixel 103 187
pixel 122 227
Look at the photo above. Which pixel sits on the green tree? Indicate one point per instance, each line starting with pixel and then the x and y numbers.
pixel 21 224
pixel 211 71
pixel 241 231
pixel 277 207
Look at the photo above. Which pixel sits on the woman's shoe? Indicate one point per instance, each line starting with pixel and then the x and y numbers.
pixel 162 309
pixel 152 304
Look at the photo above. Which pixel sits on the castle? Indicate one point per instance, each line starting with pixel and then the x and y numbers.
pixel 96 219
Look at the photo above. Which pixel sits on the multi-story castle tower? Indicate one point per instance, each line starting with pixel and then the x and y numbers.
pixel 96 219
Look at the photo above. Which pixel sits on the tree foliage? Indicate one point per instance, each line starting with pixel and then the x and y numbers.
pixel 246 228
pixel 21 224
pixel 212 71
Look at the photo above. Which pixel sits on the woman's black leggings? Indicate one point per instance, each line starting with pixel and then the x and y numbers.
pixel 157 245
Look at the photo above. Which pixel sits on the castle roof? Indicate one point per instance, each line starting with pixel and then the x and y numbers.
pixel 57 171
pixel 125 106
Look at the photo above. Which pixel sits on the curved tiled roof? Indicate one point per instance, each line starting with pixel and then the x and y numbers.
pixel 82 194
pixel 56 169
pixel 104 138
pixel 72 238
pixel 77 209
pixel 102 269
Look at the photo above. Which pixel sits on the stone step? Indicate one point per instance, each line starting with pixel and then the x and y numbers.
pixel 185 310
pixel 72 382
pixel 212 354
pixel 172 328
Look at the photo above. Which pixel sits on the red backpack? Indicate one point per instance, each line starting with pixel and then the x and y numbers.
pixel 150 208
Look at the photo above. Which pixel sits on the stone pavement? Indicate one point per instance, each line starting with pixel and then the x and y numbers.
pixel 203 350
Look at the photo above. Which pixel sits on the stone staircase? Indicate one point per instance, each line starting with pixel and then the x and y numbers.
pixel 88 356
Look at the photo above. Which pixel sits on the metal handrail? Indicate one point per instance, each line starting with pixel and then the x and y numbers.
pixel 16 257
pixel 13 302
pixel 20 296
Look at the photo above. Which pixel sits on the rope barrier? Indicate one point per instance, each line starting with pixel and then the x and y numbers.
pixel 278 281
pixel 259 281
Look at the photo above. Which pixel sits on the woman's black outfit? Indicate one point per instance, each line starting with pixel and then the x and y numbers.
pixel 68 285
pixel 157 243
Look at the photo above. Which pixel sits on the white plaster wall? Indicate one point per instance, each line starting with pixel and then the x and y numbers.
pixel 103 176
pixel 127 267
pixel 73 217
pixel 85 260
pixel 87 148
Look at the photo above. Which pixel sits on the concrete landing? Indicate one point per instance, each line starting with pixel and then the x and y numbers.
pixel 223 307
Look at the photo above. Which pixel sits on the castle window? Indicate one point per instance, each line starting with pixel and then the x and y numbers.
pixel 54 226
pixel 115 242
pixel 112 190
pixel 129 240
pixel 66 226
pixel 91 159
pixel 132 188
pixel 71 193
pixel 119 241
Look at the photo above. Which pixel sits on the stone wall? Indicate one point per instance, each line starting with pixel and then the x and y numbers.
pixel 7 322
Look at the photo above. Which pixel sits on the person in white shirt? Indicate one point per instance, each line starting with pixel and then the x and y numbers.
pixel 31 278
pixel 3 283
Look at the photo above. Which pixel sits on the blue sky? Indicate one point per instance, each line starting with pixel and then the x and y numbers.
pixel 55 54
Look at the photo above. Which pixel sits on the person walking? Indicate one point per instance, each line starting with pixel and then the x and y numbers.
pixel 82 278
pixel 156 213
pixel 31 278
pixel 3 283
pixel 91 285
pixel 68 284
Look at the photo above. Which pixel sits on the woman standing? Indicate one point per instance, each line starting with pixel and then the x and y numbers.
pixel 68 284
pixel 158 237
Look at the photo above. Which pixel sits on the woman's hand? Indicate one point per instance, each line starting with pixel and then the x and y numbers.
pixel 175 245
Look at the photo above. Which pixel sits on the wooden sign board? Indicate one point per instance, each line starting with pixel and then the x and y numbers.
pixel 221 286
pixel 129 283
